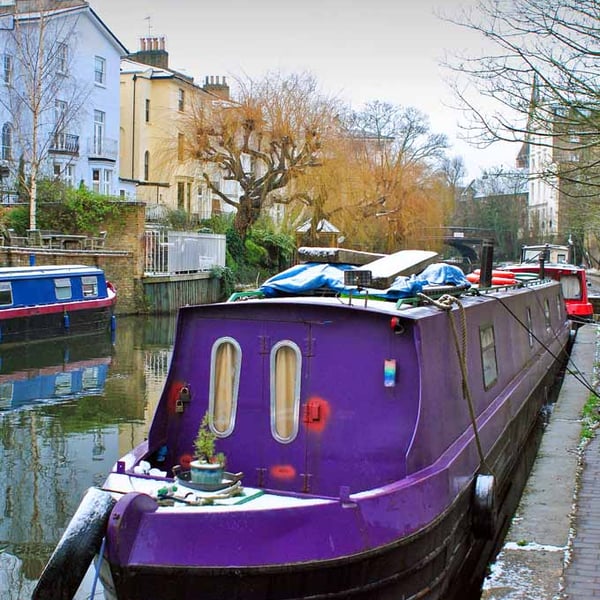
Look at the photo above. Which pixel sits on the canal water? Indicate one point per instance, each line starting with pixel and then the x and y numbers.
pixel 68 410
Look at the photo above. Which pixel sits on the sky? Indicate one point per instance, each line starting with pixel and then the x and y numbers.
pixel 358 50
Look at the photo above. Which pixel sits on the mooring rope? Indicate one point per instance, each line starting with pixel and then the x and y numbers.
pixel 445 303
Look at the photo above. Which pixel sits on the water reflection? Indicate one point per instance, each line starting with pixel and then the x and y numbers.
pixel 68 410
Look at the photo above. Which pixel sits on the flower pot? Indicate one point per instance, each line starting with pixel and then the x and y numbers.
pixel 206 473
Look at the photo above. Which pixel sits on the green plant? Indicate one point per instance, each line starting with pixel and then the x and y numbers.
pixel 590 417
pixel 228 280
pixel 204 444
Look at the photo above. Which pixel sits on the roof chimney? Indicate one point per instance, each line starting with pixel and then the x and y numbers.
pixel 152 52
pixel 217 85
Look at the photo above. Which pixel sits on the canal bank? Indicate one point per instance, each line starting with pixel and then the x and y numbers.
pixel 552 549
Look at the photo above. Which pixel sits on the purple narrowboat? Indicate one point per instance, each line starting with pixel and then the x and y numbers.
pixel 377 442
pixel 44 302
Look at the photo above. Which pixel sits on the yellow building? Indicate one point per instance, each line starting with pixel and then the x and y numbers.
pixel 157 104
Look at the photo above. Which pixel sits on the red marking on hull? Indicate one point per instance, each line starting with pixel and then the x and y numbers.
pixel 173 396
pixel 316 414
pixel 282 472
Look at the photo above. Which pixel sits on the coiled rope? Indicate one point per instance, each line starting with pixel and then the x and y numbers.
pixel 445 303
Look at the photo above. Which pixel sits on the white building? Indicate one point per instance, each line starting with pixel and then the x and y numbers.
pixel 77 137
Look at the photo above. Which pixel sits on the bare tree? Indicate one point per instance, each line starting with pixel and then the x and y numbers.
pixel 264 140
pixel 401 155
pixel 538 84
pixel 43 97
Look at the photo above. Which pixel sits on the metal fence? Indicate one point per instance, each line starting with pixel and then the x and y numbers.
pixel 172 252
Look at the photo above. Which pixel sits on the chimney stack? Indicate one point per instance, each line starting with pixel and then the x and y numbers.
pixel 217 85
pixel 152 52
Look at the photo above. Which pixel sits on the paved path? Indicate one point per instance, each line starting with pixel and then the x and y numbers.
pixel 582 574
pixel 552 549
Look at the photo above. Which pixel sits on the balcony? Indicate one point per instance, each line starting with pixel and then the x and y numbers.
pixel 65 143
pixel 103 148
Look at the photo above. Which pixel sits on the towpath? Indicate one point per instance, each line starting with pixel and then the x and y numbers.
pixel 552 549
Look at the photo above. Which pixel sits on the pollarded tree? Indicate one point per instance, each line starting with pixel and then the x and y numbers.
pixel 42 97
pixel 270 135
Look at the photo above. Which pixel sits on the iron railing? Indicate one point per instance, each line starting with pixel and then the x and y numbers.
pixel 171 252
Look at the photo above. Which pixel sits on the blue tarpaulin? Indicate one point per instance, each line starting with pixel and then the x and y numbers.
pixel 309 277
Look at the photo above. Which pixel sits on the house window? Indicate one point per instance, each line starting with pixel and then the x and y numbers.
pixel 180 146
pixel 180 100
pixel 488 356
pixel 146 165
pixel 62 57
pixel 99 118
pixel 62 288
pixel 180 194
pixel 66 173
pixel 100 70
pixel 286 367
pixel 147 110
pixel 7 141
pixel 96 180
pixel 7 69
pixel 89 285
pixel 225 366
pixel 5 293
pixel 106 182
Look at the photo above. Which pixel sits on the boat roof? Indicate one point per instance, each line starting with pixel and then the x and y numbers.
pixel 47 271
pixel 359 303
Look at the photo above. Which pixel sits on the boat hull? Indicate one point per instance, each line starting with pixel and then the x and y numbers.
pixel 444 560
pixel 42 324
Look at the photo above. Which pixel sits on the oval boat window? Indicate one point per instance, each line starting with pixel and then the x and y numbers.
pixel 286 368
pixel 225 365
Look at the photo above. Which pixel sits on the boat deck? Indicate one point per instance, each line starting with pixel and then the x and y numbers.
pixel 174 495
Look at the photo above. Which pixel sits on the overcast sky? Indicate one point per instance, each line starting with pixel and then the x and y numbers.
pixel 361 50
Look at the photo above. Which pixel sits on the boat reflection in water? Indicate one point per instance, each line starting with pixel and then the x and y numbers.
pixel 53 371
pixel 68 410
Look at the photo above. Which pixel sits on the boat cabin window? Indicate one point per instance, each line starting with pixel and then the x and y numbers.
pixel 488 356
pixel 547 313
pixel 6 395
pixel 225 365
pixel 286 368
pixel 558 306
pixel 63 385
pixel 62 288
pixel 530 327
pixel 90 286
pixel 90 378
pixel 571 287
pixel 5 293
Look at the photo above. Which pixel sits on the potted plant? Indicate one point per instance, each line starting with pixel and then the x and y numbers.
pixel 207 468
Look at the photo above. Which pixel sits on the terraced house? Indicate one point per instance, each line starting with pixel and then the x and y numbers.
pixel 158 106
pixel 66 127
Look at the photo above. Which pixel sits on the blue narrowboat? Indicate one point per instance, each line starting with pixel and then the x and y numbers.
pixel 42 302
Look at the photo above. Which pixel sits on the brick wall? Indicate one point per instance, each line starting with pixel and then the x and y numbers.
pixel 122 259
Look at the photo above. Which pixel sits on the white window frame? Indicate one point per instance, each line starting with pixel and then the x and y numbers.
pixel 489 361
pixel 100 70
pixel 213 385
pixel 62 58
pixel 296 391
pixel 7 69
pixel 62 288
pixel 7 141
pixel 99 124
